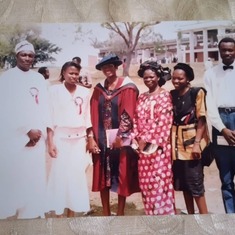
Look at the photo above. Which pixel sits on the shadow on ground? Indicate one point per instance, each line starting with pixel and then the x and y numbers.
pixel 130 209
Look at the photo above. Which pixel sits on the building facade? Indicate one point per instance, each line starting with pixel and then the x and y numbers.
pixel 196 42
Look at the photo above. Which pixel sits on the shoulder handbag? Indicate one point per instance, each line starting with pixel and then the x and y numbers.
pixel 207 155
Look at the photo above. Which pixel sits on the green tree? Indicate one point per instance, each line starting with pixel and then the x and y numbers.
pixel 44 50
pixel 12 34
pixel 127 36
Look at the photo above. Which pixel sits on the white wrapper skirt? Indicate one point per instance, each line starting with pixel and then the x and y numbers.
pixel 67 183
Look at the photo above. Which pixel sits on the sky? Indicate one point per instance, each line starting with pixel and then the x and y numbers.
pixel 63 35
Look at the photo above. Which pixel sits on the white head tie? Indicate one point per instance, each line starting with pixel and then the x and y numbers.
pixel 24 46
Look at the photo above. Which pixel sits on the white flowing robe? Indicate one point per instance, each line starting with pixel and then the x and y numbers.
pixel 67 184
pixel 24 106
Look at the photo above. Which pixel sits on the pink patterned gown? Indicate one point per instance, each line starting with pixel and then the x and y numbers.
pixel 152 122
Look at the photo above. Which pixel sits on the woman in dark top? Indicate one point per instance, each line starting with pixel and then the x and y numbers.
pixel 188 138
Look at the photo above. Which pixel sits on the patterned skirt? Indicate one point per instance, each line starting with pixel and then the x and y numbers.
pixel 155 178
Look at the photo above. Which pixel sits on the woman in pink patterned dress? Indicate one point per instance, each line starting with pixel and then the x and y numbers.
pixel 151 138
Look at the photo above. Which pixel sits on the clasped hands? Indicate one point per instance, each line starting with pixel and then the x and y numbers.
pixel 92 146
pixel 34 136
pixel 139 145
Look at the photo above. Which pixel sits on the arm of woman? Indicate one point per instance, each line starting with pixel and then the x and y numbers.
pixel 163 116
pixel 123 130
pixel 201 125
pixel 134 132
pixel 51 146
pixel 201 128
pixel 91 146
pixel 127 109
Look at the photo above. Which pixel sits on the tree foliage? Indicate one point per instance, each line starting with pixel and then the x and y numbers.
pixel 12 34
pixel 125 37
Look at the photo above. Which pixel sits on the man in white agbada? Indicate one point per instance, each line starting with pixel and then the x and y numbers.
pixel 23 123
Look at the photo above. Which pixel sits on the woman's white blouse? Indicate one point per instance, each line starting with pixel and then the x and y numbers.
pixel 67 110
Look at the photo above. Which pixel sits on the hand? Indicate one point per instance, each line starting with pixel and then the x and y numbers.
pixel 34 136
pixel 196 151
pixel 142 143
pixel 92 146
pixel 135 145
pixel 31 143
pixel 229 135
pixel 118 143
pixel 52 150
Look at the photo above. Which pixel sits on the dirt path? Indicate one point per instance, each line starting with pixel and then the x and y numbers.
pixel 134 204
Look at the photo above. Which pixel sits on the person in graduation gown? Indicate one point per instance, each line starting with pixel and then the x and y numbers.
pixel 115 165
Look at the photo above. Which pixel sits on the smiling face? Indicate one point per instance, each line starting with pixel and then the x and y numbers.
pixel 227 52
pixel 179 79
pixel 71 75
pixel 150 79
pixel 24 60
pixel 109 70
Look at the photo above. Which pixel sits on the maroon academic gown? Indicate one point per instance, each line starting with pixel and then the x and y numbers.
pixel 123 172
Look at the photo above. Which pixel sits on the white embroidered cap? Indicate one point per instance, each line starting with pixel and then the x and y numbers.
pixel 24 46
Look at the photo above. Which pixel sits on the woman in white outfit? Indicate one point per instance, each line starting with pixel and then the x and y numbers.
pixel 67 184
